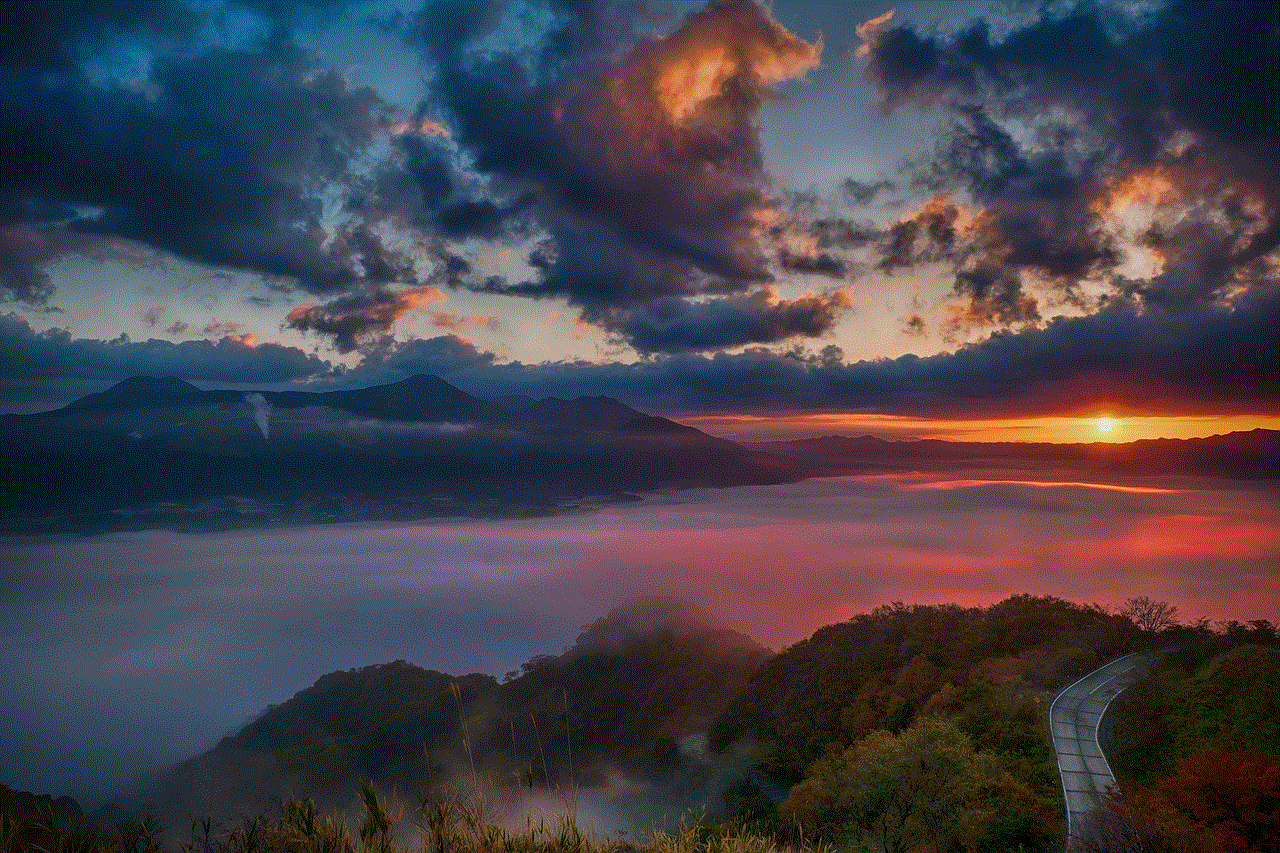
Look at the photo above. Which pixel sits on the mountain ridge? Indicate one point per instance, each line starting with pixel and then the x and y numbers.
pixel 159 452
pixel 636 676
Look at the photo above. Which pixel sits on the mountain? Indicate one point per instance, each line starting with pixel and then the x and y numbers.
pixel 417 399
pixel 420 398
pixel 139 392
pixel 651 671
pixel 154 452
pixel 596 414
pixel 161 453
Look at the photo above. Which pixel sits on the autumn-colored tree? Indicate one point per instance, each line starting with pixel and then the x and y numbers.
pixel 1215 802
pixel 926 789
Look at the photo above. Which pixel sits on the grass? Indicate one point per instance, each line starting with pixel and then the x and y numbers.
pixel 443 822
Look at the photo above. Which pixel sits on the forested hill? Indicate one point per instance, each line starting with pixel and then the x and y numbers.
pixel 912 727
pixel 1219 690
pixel 987 666
pixel 635 681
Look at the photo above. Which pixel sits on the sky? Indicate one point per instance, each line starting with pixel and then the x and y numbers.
pixel 948 219
pixel 120 664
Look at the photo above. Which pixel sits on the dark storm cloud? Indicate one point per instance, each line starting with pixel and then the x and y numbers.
pixel 1178 107
pixel 1039 208
pixel 639 154
pixel 674 325
pixel 221 157
pixel 1208 360
pixel 423 185
pixel 928 234
pixel 860 193
pixel 55 33
pixel 23 256
pixel 842 233
pixel 233 358
pixel 995 296
pixel 25 253
pixel 819 263
pixel 444 355
pixel 61 34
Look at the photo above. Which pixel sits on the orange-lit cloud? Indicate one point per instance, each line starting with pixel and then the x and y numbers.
pixel 495 259
pixel 1150 187
pixel 868 31
pixel 643 163
pixel 217 329
pixel 456 323
pixel 694 65
pixel 423 126
pixel 362 316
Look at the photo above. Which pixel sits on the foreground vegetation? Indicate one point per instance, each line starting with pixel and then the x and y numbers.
pixel 910 729
pixel 1220 689
pixel 1197 748
pixel 444 822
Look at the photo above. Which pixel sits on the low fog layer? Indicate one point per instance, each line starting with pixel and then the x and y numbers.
pixel 128 652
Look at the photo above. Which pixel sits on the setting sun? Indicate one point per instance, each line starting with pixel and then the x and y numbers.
pixel 1106 425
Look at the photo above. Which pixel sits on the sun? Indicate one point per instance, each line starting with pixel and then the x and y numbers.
pixel 1106 425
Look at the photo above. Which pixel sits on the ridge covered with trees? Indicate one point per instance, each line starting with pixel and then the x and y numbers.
pixel 910 728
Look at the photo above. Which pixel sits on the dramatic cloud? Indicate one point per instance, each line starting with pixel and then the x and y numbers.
pixel 445 355
pixel 858 192
pixel 609 157
pixel 1068 131
pixel 1121 359
pixel 639 155
pixel 456 322
pixel 672 324
pixel 55 35
pixel 995 297
pixel 25 252
pixel 1210 360
pixel 54 353
pixel 23 256
pixel 925 235
pixel 223 157
pixel 361 318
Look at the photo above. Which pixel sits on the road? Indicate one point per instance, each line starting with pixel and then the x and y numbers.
pixel 1074 719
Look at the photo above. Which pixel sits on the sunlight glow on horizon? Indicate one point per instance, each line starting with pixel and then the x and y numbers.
pixel 1054 429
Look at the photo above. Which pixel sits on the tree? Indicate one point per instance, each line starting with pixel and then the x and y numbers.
pixel 924 790
pixel 1215 802
pixel 1152 616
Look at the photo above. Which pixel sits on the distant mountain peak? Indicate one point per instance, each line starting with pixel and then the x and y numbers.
pixel 423 380
pixel 139 391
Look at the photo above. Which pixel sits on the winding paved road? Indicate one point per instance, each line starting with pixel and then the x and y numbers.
pixel 1074 719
